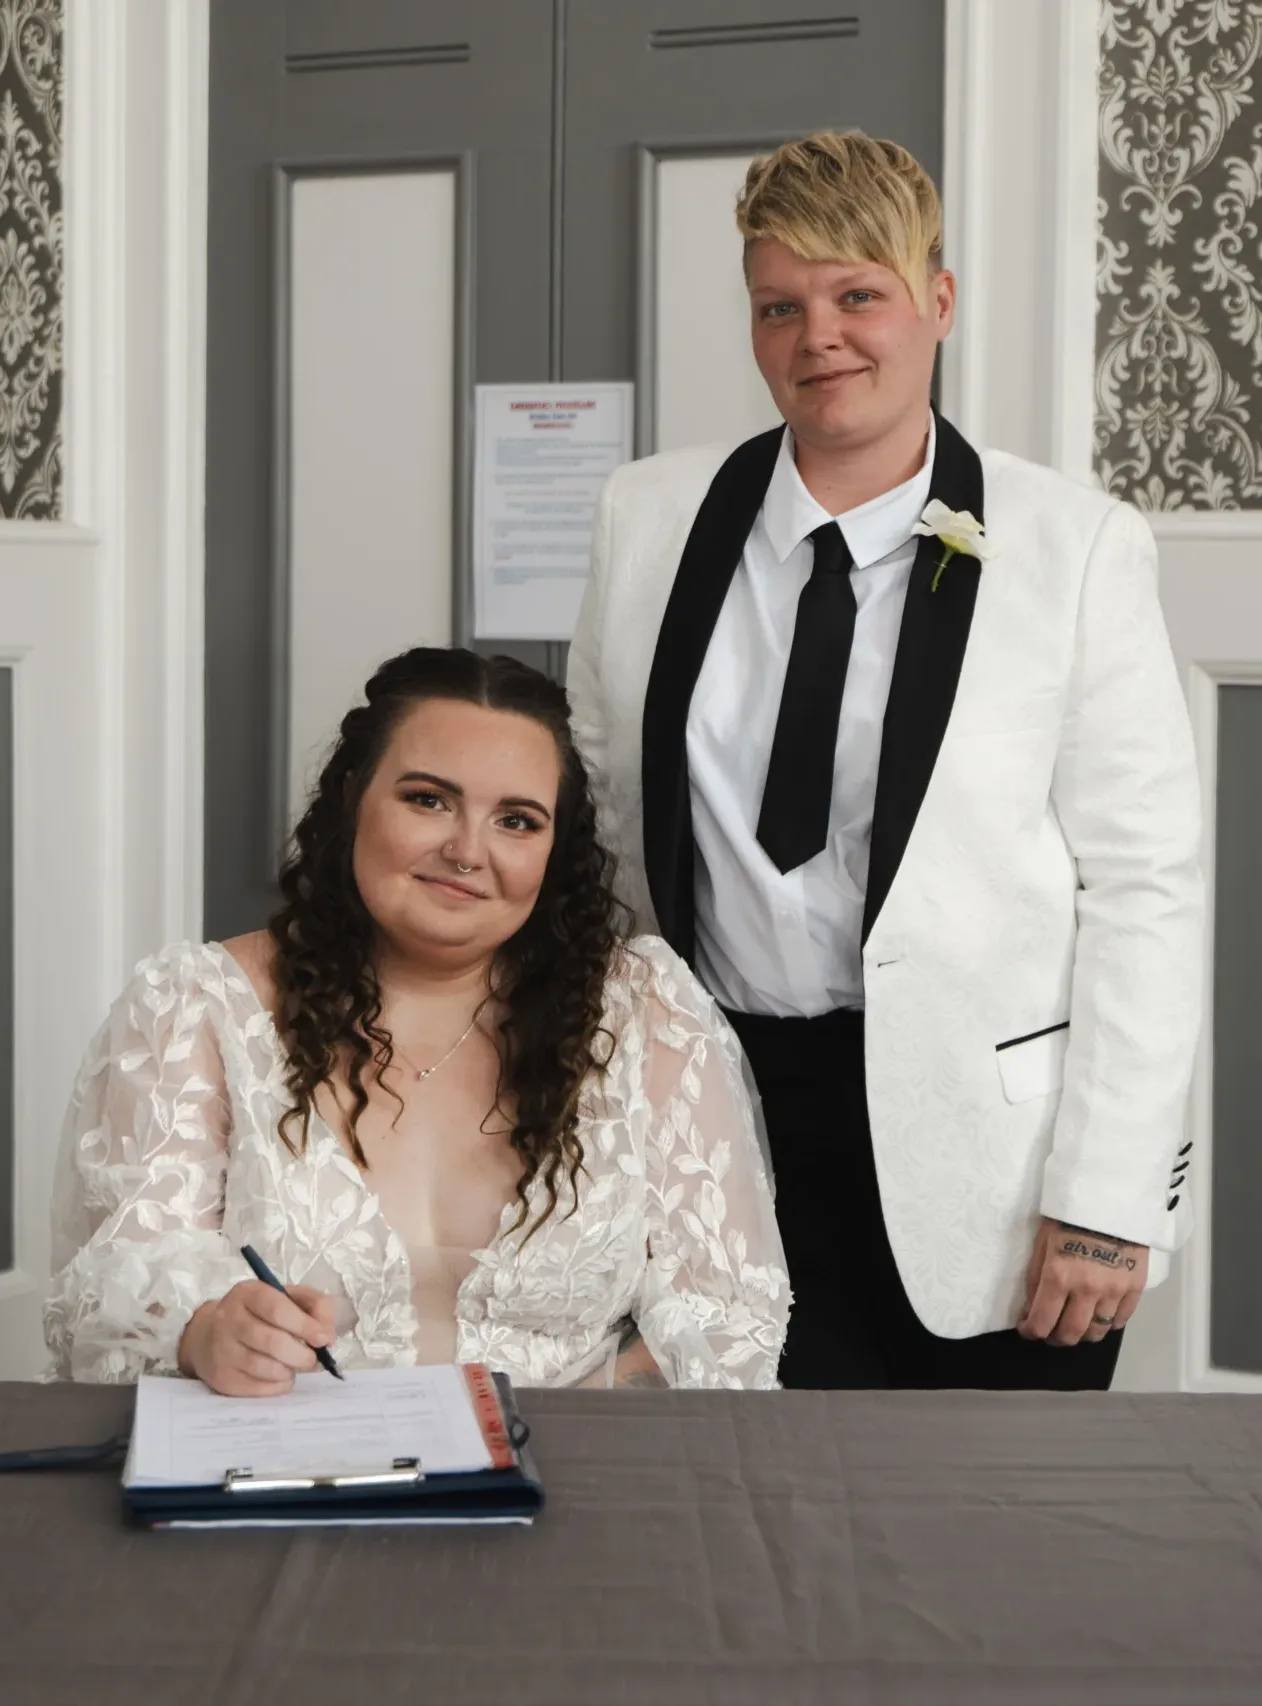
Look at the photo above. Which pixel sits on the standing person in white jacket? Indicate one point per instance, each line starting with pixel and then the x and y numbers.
pixel 894 753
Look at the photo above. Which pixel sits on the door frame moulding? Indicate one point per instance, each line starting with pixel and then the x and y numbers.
pixel 968 73
pixel 184 484
pixel 1062 137
pixel 122 454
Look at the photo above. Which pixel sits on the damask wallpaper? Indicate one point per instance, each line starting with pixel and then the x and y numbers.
pixel 31 37
pixel 1178 384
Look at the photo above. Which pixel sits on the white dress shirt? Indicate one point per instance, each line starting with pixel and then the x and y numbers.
pixel 788 943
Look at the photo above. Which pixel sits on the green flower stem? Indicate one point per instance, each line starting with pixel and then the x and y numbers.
pixel 942 563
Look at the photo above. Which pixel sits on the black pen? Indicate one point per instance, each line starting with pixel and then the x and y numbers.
pixel 261 1271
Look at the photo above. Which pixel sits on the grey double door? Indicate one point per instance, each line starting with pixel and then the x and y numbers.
pixel 552 104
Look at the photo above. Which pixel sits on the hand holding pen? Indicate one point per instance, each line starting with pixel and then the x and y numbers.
pixel 261 1271
pixel 254 1340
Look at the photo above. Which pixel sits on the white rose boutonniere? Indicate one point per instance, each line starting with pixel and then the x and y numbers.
pixel 961 533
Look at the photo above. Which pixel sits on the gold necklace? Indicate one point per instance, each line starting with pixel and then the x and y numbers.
pixel 422 1072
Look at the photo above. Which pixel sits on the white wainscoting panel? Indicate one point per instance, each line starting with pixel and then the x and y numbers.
pixel 372 314
pixel 707 384
pixel 52 605
pixel 1211 591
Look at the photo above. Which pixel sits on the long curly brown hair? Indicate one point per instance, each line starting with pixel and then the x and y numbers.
pixel 548 980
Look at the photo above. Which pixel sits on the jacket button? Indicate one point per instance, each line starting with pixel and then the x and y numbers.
pixel 1173 1203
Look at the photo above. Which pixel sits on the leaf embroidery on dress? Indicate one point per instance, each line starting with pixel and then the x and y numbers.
pixel 176 1163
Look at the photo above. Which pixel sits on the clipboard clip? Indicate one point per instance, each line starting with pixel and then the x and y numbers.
pixel 403 1472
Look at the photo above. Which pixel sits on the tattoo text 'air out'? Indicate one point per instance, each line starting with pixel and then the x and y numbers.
pixel 1110 1255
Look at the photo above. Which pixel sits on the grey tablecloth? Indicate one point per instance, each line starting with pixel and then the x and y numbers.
pixel 746 1549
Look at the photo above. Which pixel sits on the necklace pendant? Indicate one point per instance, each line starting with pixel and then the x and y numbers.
pixel 420 1073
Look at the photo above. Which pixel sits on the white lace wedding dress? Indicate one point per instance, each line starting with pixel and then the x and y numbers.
pixel 171 1161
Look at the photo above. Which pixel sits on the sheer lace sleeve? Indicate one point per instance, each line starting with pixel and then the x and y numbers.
pixel 138 1200
pixel 714 1306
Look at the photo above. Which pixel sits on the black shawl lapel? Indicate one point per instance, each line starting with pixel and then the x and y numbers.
pixel 927 667
pixel 713 550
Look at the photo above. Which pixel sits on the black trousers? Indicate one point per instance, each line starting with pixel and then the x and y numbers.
pixel 852 1325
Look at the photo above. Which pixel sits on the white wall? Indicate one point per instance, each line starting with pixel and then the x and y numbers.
pixel 103 611
pixel 1020 201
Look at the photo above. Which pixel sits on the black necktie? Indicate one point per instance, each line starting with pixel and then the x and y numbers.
pixel 798 794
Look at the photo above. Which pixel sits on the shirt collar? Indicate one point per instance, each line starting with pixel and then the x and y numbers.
pixel 871 530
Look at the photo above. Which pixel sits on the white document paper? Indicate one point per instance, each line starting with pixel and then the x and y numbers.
pixel 542 454
pixel 185 1435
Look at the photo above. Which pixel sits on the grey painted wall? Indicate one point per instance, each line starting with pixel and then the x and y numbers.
pixel 553 103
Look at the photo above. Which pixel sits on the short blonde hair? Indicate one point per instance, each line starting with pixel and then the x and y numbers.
pixel 845 196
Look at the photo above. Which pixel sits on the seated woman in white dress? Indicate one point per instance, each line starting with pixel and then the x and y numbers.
pixel 449 1104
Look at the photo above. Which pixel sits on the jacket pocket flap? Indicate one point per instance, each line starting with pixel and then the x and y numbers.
pixel 1033 1066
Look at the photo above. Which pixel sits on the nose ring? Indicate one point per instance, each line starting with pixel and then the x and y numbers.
pixel 464 869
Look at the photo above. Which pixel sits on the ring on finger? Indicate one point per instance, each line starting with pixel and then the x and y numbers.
pixel 1104 1320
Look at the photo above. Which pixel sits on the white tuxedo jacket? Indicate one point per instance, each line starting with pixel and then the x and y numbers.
pixel 1032 932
